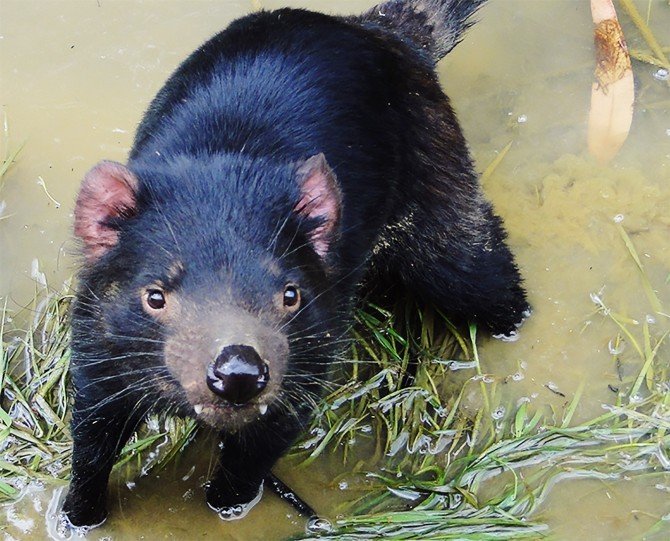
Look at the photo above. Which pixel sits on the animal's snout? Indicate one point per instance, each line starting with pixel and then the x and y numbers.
pixel 238 374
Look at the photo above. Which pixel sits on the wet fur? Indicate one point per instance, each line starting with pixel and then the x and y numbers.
pixel 215 157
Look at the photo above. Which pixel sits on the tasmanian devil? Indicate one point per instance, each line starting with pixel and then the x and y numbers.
pixel 285 160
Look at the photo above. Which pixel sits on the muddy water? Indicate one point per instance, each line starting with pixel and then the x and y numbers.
pixel 75 77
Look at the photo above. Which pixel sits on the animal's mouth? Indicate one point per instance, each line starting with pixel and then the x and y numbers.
pixel 222 415
pixel 226 407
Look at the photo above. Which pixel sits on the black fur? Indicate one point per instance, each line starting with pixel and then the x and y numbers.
pixel 436 26
pixel 215 157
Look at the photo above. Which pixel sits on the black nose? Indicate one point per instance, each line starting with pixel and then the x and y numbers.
pixel 238 374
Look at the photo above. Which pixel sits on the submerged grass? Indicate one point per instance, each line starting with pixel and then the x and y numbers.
pixel 439 429
pixel 448 454
pixel 35 440
pixel 10 156
pixel 435 454
pixel 7 162
pixel 437 439
pixel 455 457
pixel 647 34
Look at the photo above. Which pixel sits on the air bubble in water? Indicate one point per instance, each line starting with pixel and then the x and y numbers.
pixel 498 413
pixel 618 218
pixel 317 525
pixel 318 434
pixel 662 74
pixel 152 424
pixel 615 350
pixel 522 400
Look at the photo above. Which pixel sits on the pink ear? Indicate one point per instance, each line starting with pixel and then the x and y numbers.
pixel 107 192
pixel 321 199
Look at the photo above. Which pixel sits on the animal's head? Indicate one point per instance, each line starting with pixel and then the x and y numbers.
pixel 211 280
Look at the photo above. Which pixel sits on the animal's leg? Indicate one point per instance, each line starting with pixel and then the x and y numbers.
pixel 99 432
pixel 459 262
pixel 244 463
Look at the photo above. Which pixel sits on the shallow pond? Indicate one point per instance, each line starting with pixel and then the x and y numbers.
pixel 77 75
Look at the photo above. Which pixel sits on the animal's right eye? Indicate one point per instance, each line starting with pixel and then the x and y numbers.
pixel 155 299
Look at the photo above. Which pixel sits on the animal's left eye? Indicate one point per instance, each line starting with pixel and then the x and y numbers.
pixel 291 297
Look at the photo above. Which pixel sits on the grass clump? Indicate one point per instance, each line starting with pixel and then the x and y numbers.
pixel 35 440
pixel 447 455
pixel 434 455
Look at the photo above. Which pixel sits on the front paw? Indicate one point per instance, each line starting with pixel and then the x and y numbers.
pixel 72 520
pixel 507 328
pixel 82 513
pixel 66 529
pixel 232 506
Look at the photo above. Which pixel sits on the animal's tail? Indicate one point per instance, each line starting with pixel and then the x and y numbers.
pixel 435 26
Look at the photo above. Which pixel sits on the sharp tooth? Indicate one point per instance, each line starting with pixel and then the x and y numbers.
pixel 198 409
pixel 262 408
